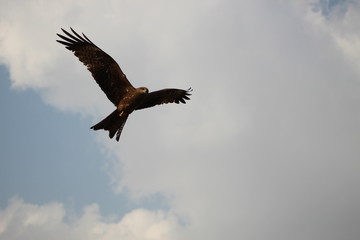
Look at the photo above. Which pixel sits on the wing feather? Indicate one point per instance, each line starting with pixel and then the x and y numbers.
pixel 168 95
pixel 103 68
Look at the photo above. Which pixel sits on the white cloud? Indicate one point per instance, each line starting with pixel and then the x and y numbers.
pixel 22 220
pixel 268 145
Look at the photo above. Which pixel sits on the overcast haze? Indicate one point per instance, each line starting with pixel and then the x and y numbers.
pixel 267 147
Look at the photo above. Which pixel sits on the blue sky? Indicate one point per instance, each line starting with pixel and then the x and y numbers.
pixel 332 8
pixel 269 140
pixel 42 156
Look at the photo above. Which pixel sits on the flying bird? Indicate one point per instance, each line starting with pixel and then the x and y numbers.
pixel 115 84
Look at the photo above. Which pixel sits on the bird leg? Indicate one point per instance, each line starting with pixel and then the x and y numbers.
pixel 122 112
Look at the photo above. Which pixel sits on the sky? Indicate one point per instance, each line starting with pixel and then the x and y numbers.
pixel 267 147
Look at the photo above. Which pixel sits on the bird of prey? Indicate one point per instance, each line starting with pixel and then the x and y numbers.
pixel 115 85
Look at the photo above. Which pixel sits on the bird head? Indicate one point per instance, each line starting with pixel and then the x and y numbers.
pixel 144 89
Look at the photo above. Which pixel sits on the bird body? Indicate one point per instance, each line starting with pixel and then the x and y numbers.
pixel 134 97
pixel 115 84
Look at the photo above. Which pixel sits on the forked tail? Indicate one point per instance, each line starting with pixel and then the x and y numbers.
pixel 112 123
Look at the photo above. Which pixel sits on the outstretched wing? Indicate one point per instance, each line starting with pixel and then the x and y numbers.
pixel 103 68
pixel 169 95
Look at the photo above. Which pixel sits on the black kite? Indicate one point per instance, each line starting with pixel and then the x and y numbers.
pixel 115 85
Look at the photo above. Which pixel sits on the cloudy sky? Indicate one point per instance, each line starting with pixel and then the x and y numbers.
pixel 267 148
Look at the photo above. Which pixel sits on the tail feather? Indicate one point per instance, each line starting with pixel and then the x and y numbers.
pixel 112 123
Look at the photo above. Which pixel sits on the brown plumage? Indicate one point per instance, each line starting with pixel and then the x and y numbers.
pixel 115 85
